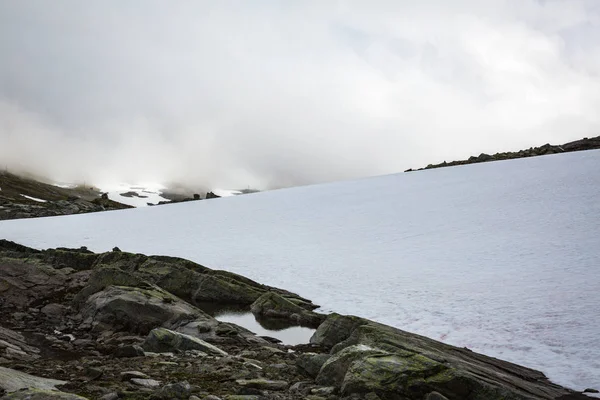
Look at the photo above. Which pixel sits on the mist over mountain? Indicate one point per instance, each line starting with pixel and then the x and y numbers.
pixel 266 95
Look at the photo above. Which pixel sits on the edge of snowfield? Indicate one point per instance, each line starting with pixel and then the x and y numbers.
pixel 500 257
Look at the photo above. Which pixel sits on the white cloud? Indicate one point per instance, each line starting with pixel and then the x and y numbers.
pixel 282 93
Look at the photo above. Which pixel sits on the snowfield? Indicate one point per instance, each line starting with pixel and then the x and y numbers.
pixel 502 257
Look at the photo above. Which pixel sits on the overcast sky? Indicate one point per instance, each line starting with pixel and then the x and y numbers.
pixel 272 93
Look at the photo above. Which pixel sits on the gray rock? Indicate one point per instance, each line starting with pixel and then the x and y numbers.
pixel 335 329
pixel 127 375
pixel 135 310
pixel 110 396
pixel 146 383
pixel 41 394
pixel 210 397
pixel 12 380
pixel 263 384
pixel 323 391
pixel 273 305
pixel 161 340
pixel 334 370
pixel 311 363
pixel 54 310
pixel 179 390
pixel 301 388
pixel 590 390
pixel 129 351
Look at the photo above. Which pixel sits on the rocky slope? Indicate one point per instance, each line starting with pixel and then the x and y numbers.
pixel 76 325
pixel 578 145
pixel 22 197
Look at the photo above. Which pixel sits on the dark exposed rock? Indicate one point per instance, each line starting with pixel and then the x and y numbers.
pixel 135 310
pixel 38 394
pixel 274 305
pixel 129 351
pixel 578 145
pixel 311 363
pixel 179 390
pixel 211 195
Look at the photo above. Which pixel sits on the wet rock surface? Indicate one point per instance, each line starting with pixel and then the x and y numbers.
pixel 117 325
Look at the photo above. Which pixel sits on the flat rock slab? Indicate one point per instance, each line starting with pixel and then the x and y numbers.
pixel 147 383
pixel 12 380
pixel 263 384
pixel 39 394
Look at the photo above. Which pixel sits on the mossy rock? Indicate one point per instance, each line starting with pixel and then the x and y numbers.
pixel 273 305
pixel 334 370
pixel 335 329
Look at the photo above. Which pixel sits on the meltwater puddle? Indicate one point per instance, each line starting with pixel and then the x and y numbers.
pixel 277 328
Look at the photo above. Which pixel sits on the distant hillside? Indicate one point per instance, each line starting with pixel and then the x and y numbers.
pixel 23 197
pixel 578 145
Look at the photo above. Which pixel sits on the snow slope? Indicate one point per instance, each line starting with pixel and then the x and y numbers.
pixel 501 257
pixel 145 193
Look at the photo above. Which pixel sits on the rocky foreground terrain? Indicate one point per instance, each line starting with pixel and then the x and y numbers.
pixel 577 145
pixel 116 325
pixel 24 197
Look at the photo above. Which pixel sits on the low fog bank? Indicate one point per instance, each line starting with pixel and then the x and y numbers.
pixel 269 95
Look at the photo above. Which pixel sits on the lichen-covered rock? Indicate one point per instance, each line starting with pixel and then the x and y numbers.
pixel 334 370
pixel 273 305
pixel 12 380
pixel 39 394
pixel 311 363
pixel 161 340
pixel 413 366
pixel 136 310
pixel 393 374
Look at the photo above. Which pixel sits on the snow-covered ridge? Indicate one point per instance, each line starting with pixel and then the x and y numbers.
pixel 501 258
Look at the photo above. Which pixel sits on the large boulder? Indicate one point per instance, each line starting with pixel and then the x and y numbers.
pixel 273 305
pixel 161 340
pixel 136 310
pixel 311 363
pixel 12 380
pixel 398 364
pixel 334 370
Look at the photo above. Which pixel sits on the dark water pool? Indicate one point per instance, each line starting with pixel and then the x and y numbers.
pixel 273 327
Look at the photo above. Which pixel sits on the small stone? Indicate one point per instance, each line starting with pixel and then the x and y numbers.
pixel 263 384
pixel 209 397
pixel 110 396
pixel 93 372
pixel 323 391
pixel 116 249
pixel 242 397
pixel 146 383
pixel 179 390
pixel 129 351
pixel 127 375
pixel 301 388
pixel 195 398
pixel 435 396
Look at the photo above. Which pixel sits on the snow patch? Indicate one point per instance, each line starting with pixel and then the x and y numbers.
pixel 34 199
pixel 498 257
pixel 144 193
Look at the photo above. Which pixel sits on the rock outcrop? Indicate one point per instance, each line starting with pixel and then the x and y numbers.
pixel 79 325
pixel 578 145
pixel 372 357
